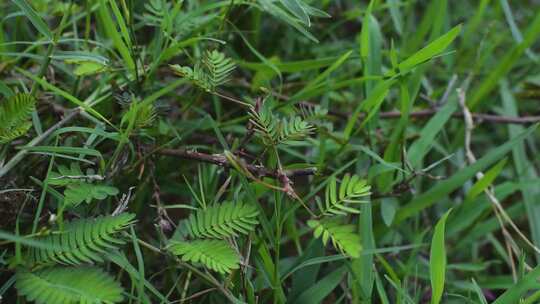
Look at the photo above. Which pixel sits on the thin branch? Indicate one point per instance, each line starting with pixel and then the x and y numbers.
pixel 195 295
pixel 477 117
pixel 222 161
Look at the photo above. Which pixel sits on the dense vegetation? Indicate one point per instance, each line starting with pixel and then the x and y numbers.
pixel 265 151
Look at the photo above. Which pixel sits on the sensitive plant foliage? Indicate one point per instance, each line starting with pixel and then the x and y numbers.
pixel 213 71
pixel 213 254
pixel 341 235
pixel 139 115
pixel 274 130
pixel 351 190
pixel 15 116
pixel 269 151
pixel 225 220
pixel 66 285
pixel 82 241
pixel 85 241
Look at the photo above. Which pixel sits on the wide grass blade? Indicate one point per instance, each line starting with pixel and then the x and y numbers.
pixel 524 168
pixel 420 147
pixel 437 260
pixel 514 293
pixel 321 289
pixel 32 15
pixel 433 49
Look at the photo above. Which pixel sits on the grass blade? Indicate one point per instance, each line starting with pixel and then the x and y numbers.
pixel 457 180
pixel 371 104
pixel 505 64
pixel 34 18
pixel 513 294
pixel 64 94
pixel 524 168
pixel 110 28
pixel 321 289
pixel 437 261
pixel 321 77
pixel 423 144
pixel 433 49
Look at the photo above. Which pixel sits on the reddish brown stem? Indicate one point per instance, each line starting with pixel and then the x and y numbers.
pixel 221 160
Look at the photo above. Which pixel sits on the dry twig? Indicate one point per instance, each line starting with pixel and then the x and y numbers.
pixel 501 214
pixel 222 161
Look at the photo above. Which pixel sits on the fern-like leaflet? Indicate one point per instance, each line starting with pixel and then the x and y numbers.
pixel 139 115
pixel 214 70
pixel 15 113
pixel 181 24
pixel 213 254
pixel 274 130
pixel 82 241
pixel 352 190
pixel 68 285
pixel 196 75
pixel 313 112
pixel 294 129
pixel 219 67
pixel 221 221
pixel 157 8
pixel 266 124
pixel 342 236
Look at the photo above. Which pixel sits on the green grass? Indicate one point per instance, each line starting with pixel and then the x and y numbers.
pixel 264 151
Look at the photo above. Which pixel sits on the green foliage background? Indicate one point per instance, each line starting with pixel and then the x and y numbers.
pixel 269 151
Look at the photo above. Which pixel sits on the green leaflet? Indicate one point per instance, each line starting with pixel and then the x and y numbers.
pixel 352 190
pixel 15 114
pixel 214 254
pixel 214 70
pixel 342 236
pixel 274 130
pixel 68 285
pixel 82 241
pixel 220 221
